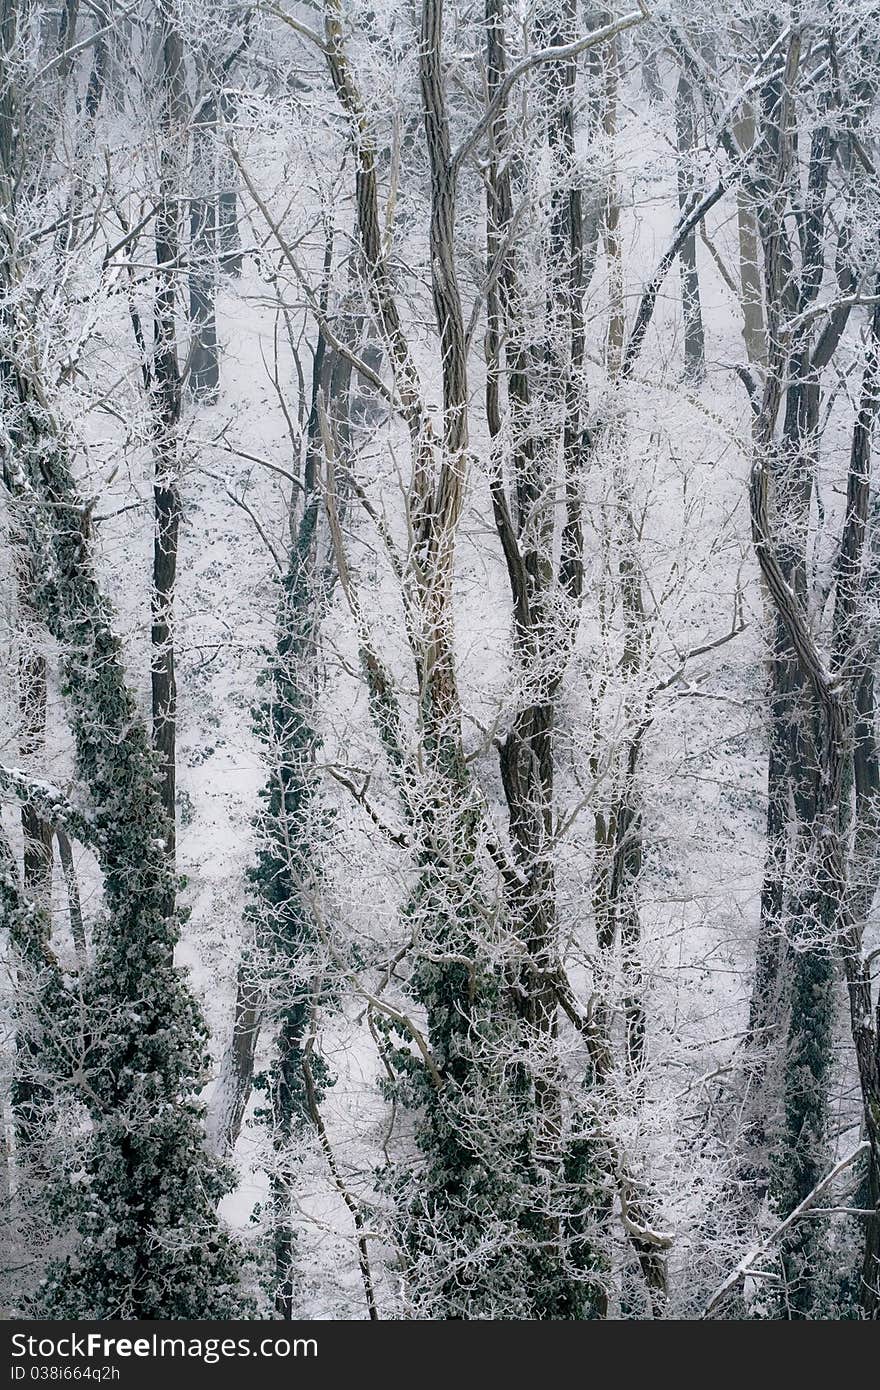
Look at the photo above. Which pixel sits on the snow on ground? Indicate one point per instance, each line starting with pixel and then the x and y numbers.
pixel 704 752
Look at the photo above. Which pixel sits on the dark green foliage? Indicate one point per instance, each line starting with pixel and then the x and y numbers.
pixel 498 1219
pixel 130 1045
pixel 802 1158
pixel 291 825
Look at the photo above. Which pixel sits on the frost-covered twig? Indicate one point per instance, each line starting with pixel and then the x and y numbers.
pixel 559 53
pixel 748 1260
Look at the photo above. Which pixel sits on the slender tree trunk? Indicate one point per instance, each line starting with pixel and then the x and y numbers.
pixel 806 854
pixel 228 235
pixel 686 137
pixel 647 42
pixel 36 832
pixel 751 289
pixel 289 735
pixel 204 361
pixel 616 332
pixel 74 904
pixel 536 376
pixel 166 389
pixel 854 656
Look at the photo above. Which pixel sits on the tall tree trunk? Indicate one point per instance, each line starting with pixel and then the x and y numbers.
pixel 854 657
pixel 204 361
pixel 648 44
pixel 537 375
pixel 127 1047
pixel 166 392
pixel 36 832
pixel 616 333
pixel 228 235
pixel 686 139
pixel 801 892
pixel 751 289
pixel 287 728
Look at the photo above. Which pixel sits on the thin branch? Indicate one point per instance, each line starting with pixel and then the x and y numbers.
pixel 353 1206
pixel 766 1245
pixel 295 24
pixel 558 54
pixel 648 301
pixel 396 837
pixel 361 367
pixel 240 502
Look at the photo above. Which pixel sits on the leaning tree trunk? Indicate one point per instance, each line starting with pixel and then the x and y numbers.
pixel 32 674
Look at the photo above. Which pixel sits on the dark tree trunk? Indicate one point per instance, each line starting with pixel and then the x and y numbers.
pixel 166 392
pixel 36 832
pixel 74 905
pixel 204 361
pixel 535 375
pixel 647 42
pixel 805 900
pixel 686 137
pixel 228 235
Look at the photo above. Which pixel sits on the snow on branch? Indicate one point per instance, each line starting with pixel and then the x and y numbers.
pixel 50 803
pixel 559 53
pixel 802 1209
